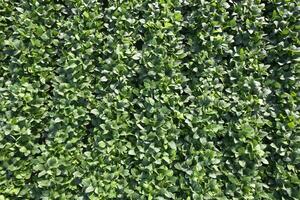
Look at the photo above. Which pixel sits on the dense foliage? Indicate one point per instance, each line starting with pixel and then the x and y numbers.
pixel 149 99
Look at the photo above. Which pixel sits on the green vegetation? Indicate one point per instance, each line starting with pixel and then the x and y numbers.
pixel 149 99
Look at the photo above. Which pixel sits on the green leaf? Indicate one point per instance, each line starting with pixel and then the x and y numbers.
pixel 89 189
pixel 242 163
pixel 137 56
pixel 265 161
pixel 103 79
pixel 131 152
pixel 102 144
pixel 178 16
pixel 172 144
pixel 86 14
pixel 95 112
pixel 52 162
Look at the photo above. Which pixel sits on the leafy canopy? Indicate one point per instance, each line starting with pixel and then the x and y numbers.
pixel 149 99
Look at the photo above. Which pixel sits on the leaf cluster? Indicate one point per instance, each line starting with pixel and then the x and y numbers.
pixel 145 99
